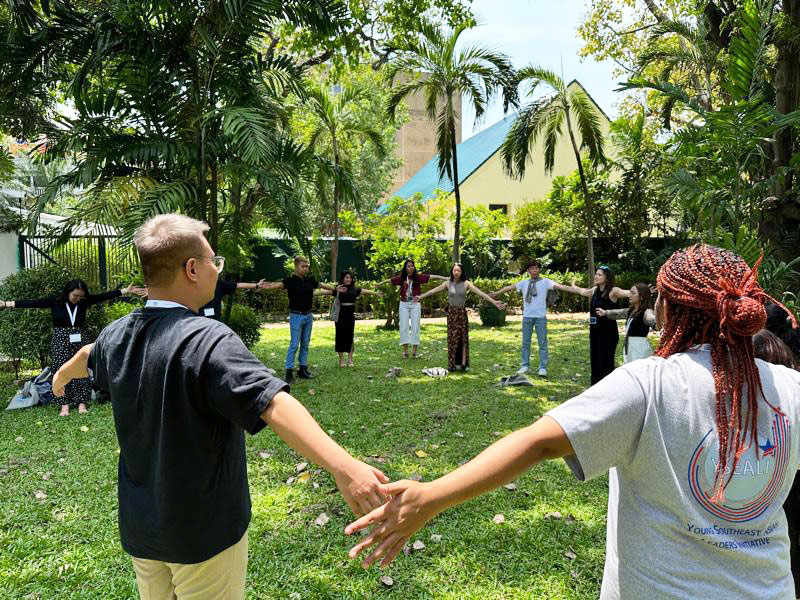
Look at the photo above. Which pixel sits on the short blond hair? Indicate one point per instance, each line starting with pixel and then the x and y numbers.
pixel 299 260
pixel 164 243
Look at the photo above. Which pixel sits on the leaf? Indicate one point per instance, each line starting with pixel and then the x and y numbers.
pixel 436 538
pixel 40 495
pixel 418 545
pixel 300 467
pixel 421 453
pixel 311 392
pixel 553 515
pixel 322 520
pixel 458 434
pixel 570 555
pixel 510 487
pixel 499 519
pixel 303 477
pixel 84 428
pixel 387 581
pixel 19 439
pixel 264 455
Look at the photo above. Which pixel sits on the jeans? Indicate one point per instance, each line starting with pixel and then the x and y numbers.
pixel 528 325
pixel 300 328
pixel 408 317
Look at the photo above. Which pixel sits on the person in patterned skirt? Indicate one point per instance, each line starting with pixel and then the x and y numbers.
pixel 457 322
pixel 69 317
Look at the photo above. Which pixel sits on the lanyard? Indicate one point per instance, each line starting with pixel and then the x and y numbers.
pixel 163 304
pixel 72 315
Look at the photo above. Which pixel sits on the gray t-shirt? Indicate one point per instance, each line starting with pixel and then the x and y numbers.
pixel 652 423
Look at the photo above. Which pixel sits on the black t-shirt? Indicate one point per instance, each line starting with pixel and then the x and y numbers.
pixel 350 296
pixel 183 388
pixel 213 309
pixel 59 311
pixel 301 292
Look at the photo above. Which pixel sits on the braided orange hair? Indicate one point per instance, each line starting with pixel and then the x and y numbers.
pixel 714 298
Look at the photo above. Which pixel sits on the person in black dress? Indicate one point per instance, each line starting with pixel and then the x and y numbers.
pixel 69 316
pixel 344 314
pixel 603 332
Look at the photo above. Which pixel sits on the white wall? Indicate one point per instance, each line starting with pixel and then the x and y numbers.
pixel 8 254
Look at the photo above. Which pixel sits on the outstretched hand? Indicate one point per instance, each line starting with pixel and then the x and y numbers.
pixel 601 312
pixel 500 305
pixel 360 484
pixel 135 290
pixel 408 510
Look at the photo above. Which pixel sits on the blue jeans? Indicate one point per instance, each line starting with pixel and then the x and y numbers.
pixel 300 328
pixel 528 325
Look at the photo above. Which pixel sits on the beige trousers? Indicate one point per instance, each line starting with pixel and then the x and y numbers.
pixel 221 577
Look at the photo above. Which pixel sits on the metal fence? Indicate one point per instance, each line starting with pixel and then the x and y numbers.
pixel 99 260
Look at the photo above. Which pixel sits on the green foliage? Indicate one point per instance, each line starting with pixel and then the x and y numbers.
pixel 246 323
pixel 479 227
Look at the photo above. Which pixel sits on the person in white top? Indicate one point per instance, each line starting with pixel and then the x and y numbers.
pixel 534 312
pixel 700 443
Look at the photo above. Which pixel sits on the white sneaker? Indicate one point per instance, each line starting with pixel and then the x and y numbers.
pixel 542 373
pixel 522 370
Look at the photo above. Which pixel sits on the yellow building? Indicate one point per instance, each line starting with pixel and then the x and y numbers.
pixel 482 178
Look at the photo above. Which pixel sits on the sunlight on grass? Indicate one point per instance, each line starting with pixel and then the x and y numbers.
pixel 66 545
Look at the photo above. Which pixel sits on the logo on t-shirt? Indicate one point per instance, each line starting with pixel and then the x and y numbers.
pixel 756 481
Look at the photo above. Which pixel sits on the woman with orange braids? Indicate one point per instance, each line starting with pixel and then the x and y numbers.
pixel 700 442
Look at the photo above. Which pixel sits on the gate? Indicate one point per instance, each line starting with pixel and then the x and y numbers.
pixel 96 259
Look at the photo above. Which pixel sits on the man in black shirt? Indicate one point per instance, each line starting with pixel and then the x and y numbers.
pixel 300 287
pixel 225 287
pixel 183 390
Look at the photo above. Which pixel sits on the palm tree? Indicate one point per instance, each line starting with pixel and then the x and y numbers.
pixel 545 118
pixel 179 107
pixel 337 127
pixel 474 71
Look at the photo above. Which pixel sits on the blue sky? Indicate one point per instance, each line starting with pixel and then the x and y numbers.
pixel 542 32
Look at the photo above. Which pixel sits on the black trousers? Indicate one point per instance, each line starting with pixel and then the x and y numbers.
pixel 602 351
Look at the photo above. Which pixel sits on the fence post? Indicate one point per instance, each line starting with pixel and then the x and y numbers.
pixel 20 252
pixel 101 262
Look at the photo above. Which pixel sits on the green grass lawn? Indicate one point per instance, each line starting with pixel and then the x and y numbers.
pixel 66 545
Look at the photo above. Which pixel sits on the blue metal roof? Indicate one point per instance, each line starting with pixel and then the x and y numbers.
pixel 472 153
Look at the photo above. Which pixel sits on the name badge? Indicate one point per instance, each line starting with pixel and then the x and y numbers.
pixel 74 338
pixel 592 320
pixel 209 312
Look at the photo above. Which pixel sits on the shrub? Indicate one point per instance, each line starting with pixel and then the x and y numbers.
pixel 246 323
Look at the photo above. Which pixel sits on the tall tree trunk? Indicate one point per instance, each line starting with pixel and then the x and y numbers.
pixel 787 92
pixel 589 202
pixel 201 175
pixel 782 211
pixel 236 201
pixel 213 237
pixel 457 192
pixel 335 246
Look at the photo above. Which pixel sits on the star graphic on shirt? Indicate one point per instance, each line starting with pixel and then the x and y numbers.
pixel 767 448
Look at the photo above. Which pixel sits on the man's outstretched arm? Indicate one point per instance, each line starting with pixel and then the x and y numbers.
pixel 358 481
